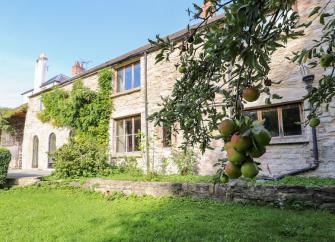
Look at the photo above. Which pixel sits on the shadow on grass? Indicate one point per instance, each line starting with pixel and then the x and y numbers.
pixel 186 219
pixel 45 214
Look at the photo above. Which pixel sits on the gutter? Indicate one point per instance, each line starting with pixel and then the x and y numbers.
pixel 311 167
pixel 177 36
pixel 146 111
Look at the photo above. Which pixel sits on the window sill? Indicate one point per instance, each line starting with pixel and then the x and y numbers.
pixel 137 154
pixel 289 140
pixel 118 94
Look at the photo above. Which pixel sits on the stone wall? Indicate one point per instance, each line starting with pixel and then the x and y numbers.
pixel 282 157
pixel 34 127
pixel 127 104
pixel 235 191
pixel 13 141
pixel 286 158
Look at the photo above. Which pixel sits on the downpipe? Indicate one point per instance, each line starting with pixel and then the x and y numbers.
pixel 311 167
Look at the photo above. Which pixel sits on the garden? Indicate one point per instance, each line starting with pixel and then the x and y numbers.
pixel 69 214
pixel 55 210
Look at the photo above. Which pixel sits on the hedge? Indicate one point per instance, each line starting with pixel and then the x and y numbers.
pixel 5 158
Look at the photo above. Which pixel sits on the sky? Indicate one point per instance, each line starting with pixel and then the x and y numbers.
pixel 70 30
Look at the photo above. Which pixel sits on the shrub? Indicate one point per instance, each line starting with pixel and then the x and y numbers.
pixel 129 166
pixel 185 160
pixel 81 159
pixel 5 158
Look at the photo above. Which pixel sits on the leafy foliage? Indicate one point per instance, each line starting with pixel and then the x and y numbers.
pixel 321 54
pixel 5 157
pixel 185 160
pixel 129 166
pixel 81 159
pixel 5 116
pixel 87 112
pixel 218 59
pixel 84 110
pixel 224 63
pixel 303 181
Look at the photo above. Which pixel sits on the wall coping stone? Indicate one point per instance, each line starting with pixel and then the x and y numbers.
pixel 236 191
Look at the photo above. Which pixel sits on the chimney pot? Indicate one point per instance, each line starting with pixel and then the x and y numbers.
pixel 40 71
pixel 77 68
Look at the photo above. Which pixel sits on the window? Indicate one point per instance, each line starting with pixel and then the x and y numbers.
pixel 291 115
pixel 271 121
pixel 167 136
pixel 281 121
pixel 128 77
pixel 35 152
pixel 52 149
pixel 127 136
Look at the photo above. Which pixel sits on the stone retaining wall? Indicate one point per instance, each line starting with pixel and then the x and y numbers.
pixel 235 191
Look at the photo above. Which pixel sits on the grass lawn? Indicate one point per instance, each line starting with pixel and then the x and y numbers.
pixel 303 180
pixel 64 214
pixel 290 180
pixel 135 177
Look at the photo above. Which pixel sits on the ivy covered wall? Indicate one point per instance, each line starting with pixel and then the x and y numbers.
pixel 85 111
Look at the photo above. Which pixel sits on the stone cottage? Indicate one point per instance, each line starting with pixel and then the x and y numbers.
pixel 138 86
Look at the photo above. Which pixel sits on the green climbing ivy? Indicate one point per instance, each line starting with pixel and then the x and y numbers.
pixel 85 111
pixel 6 114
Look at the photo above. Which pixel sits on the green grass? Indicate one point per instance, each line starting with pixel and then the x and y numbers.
pixel 162 178
pixel 63 214
pixel 303 180
pixel 150 177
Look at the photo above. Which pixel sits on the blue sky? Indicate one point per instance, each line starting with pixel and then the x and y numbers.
pixel 69 30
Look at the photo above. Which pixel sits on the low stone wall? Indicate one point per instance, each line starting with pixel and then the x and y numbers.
pixel 234 191
pixel 21 181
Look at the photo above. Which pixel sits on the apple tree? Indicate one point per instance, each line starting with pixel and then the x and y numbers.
pixel 320 54
pixel 224 63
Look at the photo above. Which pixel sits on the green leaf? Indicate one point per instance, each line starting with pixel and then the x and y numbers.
pixel 276 96
pixel 323 16
pixel 314 11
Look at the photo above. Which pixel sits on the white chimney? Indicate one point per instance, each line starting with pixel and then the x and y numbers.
pixel 40 71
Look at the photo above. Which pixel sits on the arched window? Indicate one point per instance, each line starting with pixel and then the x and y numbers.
pixel 52 149
pixel 35 152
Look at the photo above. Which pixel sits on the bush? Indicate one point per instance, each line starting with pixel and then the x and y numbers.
pixel 81 159
pixel 130 166
pixel 185 160
pixel 5 158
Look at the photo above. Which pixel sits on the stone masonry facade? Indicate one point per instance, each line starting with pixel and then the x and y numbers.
pixel 237 191
pixel 283 155
pixel 13 141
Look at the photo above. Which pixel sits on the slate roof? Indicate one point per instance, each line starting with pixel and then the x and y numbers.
pixel 60 78
pixel 135 53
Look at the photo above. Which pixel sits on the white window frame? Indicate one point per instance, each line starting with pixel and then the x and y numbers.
pixel 123 70
pixel 279 108
pixel 125 135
